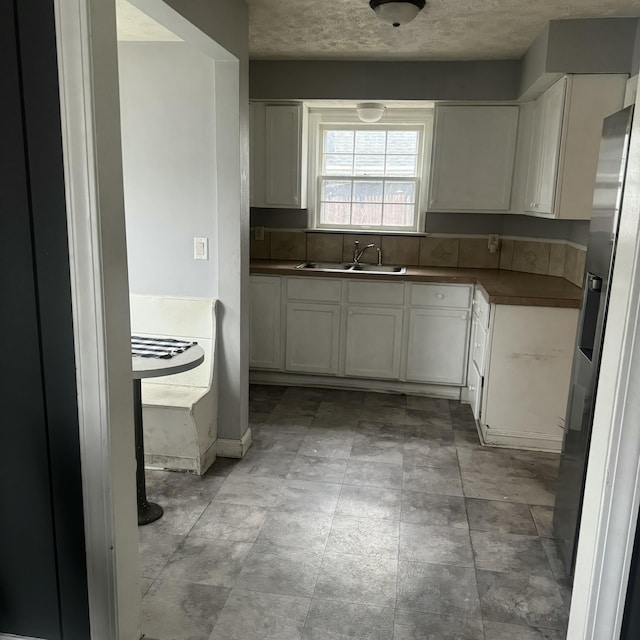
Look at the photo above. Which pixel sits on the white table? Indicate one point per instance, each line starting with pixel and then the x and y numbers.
pixel 154 368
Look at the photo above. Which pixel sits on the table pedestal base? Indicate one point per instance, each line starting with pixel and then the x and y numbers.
pixel 149 512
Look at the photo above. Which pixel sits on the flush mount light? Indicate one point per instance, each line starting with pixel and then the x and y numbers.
pixel 397 12
pixel 370 111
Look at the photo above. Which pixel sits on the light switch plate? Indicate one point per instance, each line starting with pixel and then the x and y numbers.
pixel 201 248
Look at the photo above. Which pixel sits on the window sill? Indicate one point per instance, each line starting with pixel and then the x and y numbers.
pixel 369 232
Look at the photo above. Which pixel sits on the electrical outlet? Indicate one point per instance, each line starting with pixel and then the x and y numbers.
pixel 201 248
pixel 494 243
pixel 258 233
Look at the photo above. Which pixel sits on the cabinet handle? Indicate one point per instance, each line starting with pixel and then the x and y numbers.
pixel 440 296
pixel 478 345
pixel 472 388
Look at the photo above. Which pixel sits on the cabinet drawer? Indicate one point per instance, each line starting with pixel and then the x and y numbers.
pixel 314 289
pixel 375 292
pixel 440 295
pixel 481 308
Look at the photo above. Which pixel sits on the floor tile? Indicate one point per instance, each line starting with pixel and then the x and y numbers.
pixel 435 545
pixel 317 469
pixel 418 625
pixel 377 400
pixel 433 509
pixel 492 487
pixel 145 584
pixel 509 553
pixel 518 598
pixel 308 496
pixel 357 579
pixel 283 423
pixel 378 450
pixel 341 396
pixel 266 392
pixel 222 467
pixel 303 394
pixel 461 416
pixel 435 406
pixel 369 502
pixel 543 517
pixel 364 536
pixel 264 465
pixel 488 462
pixel 423 453
pixel 556 562
pixel 277 441
pixel 467 439
pixel 181 610
pixel 154 550
pixel 500 517
pixel 536 465
pixel 440 589
pixel 347 412
pixel 248 490
pixel 213 562
pixel 327 445
pixel 286 571
pixel 249 615
pixel 426 420
pixel 374 474
pixel 331 620
pixel 237 522
pixel 539 491
pixel 431 480
pixel 299 530
pixel 380 430
pixel 388 415
pixel 501 631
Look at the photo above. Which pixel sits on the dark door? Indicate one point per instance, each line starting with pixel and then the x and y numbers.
pixel 43 587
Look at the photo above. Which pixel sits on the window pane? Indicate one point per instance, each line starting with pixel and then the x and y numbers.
pixel 401 192
pixel 338 141
pixel 405 142
pixel 401 165
pixel 370 141
pixel 398 215
pixel 334 191
pixel 366 214
pixel 369 166
pixel 337 165
pixel 335 213
pixel 367 191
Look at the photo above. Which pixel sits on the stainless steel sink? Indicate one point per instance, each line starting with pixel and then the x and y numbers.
pixel 325 266
pixel 349 267
pixel 378 268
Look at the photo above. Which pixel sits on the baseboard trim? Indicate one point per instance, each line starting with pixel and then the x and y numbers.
pixel 520 440
pixel 5 636
pixel 231 448
pixel 358 384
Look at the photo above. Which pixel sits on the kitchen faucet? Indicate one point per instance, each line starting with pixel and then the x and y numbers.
pixel 358 254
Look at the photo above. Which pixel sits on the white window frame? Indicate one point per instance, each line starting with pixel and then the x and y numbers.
pixel 320 119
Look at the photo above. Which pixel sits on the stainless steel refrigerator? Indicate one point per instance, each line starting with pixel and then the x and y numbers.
pixel 601 251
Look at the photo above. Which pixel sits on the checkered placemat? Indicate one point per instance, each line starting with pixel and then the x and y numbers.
pixel 158 347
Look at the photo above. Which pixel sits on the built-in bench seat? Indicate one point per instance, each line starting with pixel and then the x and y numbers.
pixel 180 411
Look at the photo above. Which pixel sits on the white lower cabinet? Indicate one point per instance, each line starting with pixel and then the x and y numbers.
pixel 373 342
pixel 474 382
pixel 313 338
pixel 265 326
pixel 437 346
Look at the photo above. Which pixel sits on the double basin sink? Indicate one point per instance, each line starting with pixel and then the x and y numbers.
pixel 350 267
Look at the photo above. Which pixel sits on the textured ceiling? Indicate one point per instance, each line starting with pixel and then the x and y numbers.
pixel 444 30
pixel 134 25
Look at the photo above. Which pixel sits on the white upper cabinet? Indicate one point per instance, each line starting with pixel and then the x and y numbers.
pixel 278 147
pixel 561 131
pixel 473 157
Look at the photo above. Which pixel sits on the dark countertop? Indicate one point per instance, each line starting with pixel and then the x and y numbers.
pixel 501 287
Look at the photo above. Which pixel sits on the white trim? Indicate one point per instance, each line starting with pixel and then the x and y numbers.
pixel 87 68
pixel 4 636
pixel 612 490
pixel 521 439
pixel 230 448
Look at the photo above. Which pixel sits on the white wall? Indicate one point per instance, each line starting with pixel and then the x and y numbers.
pixel 169 160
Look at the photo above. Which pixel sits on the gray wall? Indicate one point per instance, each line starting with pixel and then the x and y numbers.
pixel 168 147
pixel 350 80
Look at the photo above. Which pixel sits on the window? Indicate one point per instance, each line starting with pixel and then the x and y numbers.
pixel 367 176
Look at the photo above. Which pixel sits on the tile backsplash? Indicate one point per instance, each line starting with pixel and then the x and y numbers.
pixel 561 259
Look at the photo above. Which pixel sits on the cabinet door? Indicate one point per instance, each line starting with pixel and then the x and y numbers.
pixel 374 338
pixel 545 149
pixel 313 334
pixel 283 154
pixel 473 157
pixel 475 391
pixel 265 350
pixel 437 346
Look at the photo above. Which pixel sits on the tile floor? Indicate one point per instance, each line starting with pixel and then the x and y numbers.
pixel 356 516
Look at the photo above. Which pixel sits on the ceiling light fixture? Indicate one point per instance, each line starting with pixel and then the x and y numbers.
pixel 397 12
pixel 370 111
